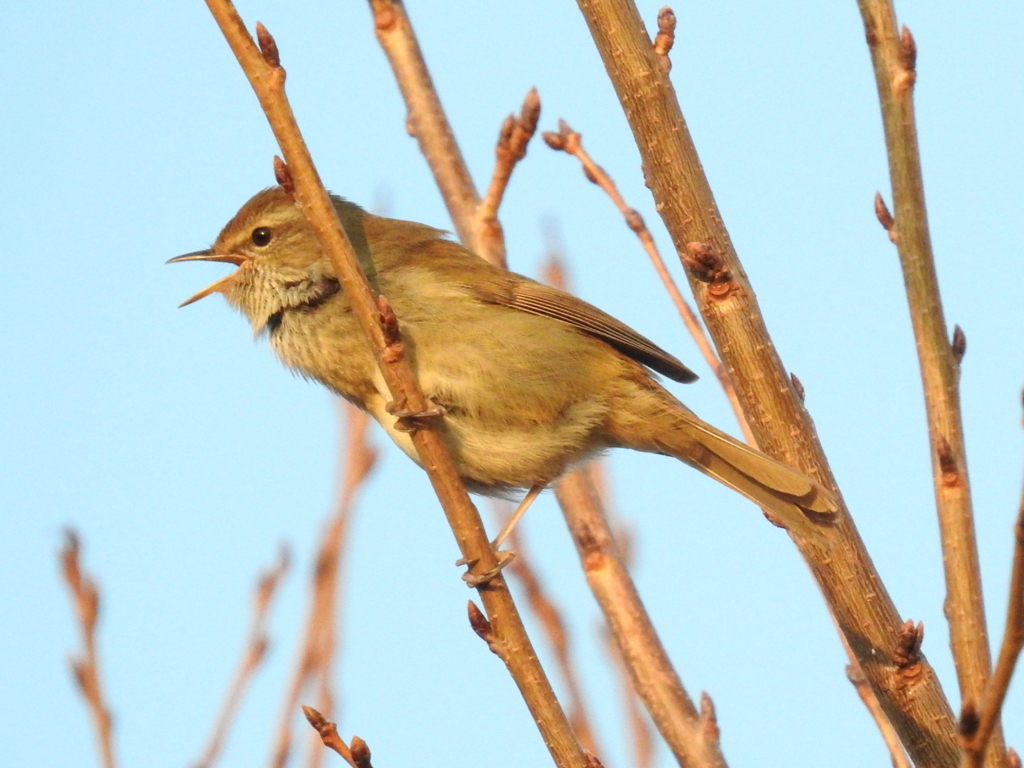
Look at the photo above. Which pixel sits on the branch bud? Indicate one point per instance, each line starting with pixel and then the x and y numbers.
pixel 268 46
pixel 959 344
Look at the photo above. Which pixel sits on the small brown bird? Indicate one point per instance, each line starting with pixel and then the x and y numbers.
pixel 531 380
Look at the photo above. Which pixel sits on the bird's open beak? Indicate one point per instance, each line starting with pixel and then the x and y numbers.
pixel 209 255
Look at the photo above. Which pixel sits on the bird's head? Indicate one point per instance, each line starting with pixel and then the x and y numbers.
pixel 280 263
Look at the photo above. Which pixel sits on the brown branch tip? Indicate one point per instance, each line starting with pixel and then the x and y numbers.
pixel 268 46
pixel 709 718
pixel 85 597
pixel 360 753
pixel 513 139
pixel 516 132
pixel 798 386
pixel 479 622
pixel 83 588
pixel 570 141
pixel 329 736
pixel 908 51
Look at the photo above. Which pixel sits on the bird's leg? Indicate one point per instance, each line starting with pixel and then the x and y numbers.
pixel 506 557
pixel 528 499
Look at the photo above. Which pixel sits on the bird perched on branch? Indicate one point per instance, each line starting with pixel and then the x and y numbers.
pixel 530 380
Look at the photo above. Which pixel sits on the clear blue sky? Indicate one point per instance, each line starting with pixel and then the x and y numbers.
pixel 184 453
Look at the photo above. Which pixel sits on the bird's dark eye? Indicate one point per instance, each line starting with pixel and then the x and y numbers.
pixel 261 236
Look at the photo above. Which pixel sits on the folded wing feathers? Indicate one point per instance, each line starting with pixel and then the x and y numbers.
pixel 540 300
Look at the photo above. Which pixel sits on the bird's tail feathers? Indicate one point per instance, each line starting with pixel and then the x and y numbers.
pixel 790 497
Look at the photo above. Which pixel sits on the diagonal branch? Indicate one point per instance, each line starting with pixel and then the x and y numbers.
pixel 379 324
pixel 893 55
pixel 691 734
pixel 570 141
pixel 426 120
pixel 915 704
pixel 639 725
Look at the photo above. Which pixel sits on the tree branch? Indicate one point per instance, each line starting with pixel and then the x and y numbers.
pixel 357 756
pixel 570 141
pixel 977 727
pixel 378 322
pixel 867 695
pixel 641 656
pixel 864 611
pixel 426 119
pixel 692 735
pixel 893 55
pixel 639 724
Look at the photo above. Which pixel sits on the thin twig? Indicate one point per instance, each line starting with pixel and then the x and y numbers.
pixel 894 55
pixel 513 139
pixel 253 653
pixel 915 705
pixel 692 735
pixel 85 598
pixel 426 119
pixel 892 740
pixel 985 719
pixel 378 322
pixel 571 142
pixel 855 674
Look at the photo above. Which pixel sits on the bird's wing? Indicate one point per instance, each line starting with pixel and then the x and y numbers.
pixel 537 299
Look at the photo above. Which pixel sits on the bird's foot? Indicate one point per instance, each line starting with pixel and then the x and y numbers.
pixel 479 579
pixel 408 420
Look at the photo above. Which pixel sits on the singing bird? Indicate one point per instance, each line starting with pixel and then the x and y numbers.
pixel 530 380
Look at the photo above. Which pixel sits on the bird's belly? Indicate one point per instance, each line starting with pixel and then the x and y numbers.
pixel 514 417
pixel 494 457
